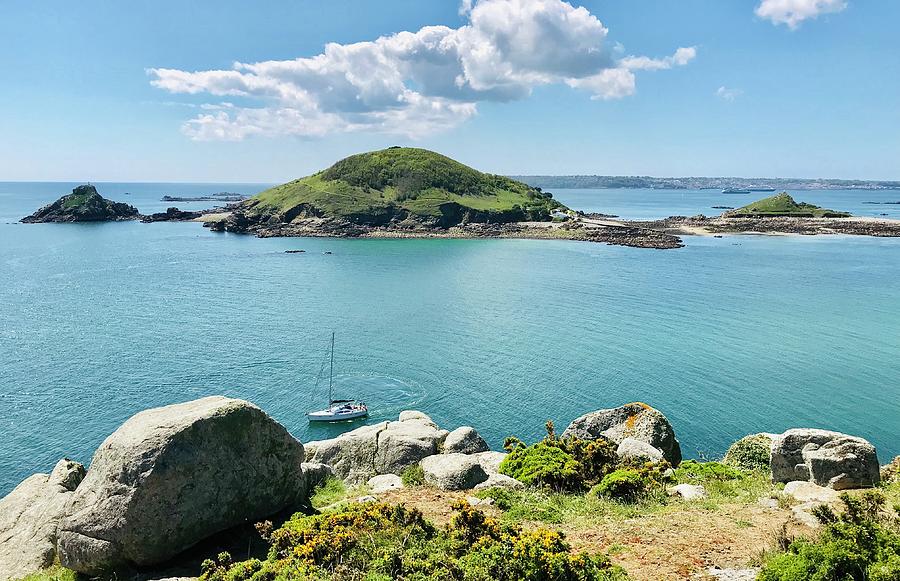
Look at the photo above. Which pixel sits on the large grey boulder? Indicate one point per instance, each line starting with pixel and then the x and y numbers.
pixel 465 440
pixel 384 448
pixel 453 471
pixel 29 519
pixel 826 458
pixel 631 449
pixel 172 476
pixel 634 420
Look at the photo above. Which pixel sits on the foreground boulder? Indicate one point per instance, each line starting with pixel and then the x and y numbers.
pixel 826 458
pixel 454 471
pixel 172 476
pixel 29 518
pixel 84 204
pixel 635 420
pixel 465 440
pixel 384 448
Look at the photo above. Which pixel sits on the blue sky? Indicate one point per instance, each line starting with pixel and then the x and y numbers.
pixel 141 91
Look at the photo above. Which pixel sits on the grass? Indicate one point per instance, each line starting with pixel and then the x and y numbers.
pixel 334 493
pixel 784 205
pixel 54 573
pixel 379 184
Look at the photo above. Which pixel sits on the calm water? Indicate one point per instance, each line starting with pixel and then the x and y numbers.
pixel 726 336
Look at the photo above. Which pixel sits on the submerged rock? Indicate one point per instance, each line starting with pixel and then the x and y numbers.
pixel 172 476
pixel 634 420
pixel 826 458
pixel 84 204
pixel 29 519
pixel 171 215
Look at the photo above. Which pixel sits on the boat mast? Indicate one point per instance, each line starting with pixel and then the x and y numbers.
pixel 331 374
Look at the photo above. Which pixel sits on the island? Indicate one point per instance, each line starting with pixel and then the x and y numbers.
pixel 778 214
pixel 405 192
pixel 84 204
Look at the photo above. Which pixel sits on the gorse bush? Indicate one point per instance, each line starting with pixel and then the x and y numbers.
pixel 413 476
pixel 381 542
pixel 562 464
pixel 861 544
pixel 750 453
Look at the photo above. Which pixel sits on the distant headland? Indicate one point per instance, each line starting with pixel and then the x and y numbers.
pixel 702 183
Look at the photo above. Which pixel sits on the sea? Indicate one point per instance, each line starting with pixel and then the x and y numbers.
pixel 726 336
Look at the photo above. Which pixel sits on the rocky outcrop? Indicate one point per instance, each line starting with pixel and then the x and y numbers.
pixel 385 448
pixel 635 420
pixel 453 471
pixel 384 483
pixel 171 476
pixel 29 519
pixel 688 491
pixel 465 440
pixel 826 458
pixel 84 204
pixel 171 215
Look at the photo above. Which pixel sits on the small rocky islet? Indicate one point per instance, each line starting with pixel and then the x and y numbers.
pixel 164 490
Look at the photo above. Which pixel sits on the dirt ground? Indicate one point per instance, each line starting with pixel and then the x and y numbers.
pixel 682 543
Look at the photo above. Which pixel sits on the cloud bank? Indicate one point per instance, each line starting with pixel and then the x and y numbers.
pixel 793 12
pixel 416 83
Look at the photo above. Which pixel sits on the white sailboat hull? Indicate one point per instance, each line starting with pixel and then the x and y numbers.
pixel 336 415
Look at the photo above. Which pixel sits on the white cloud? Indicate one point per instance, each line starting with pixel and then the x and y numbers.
pixel 793 12
pixel 415 83
pixel 727 94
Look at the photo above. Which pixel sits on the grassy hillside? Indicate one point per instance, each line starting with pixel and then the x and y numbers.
pixel 783 205
pixel 394 183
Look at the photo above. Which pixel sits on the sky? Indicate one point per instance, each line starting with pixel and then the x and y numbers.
pixel 235 91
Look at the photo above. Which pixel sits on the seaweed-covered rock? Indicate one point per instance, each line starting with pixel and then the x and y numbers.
pixel 634 420
pixel 84 204
pixel 170 477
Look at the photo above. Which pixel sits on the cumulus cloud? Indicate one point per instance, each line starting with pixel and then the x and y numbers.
pixel 727 94
pixel 793 12
pixel 415 83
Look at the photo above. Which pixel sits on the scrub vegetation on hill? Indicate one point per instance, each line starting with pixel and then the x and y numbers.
pixel 783 205
pixel 399 182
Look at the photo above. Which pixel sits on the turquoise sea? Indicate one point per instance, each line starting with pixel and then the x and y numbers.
pixel 726 336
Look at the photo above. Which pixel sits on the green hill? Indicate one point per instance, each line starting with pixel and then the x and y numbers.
pixel 402 183
pixel 783 205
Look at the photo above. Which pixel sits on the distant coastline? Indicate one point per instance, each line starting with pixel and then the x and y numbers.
pixel 700 183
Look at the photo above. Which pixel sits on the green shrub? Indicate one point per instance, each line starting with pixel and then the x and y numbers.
pixel 750 453
pixel 379 542
pixel 563 464
pixel 413 476
pixel 693 471
pixel 623 484
pixel 862 544
pixel 890 473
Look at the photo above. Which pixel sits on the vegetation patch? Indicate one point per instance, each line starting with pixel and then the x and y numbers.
pixel 860 544
pixel 413 476
pixel 750 453
pixel 54 573
pixel 561 464
pixel 380 542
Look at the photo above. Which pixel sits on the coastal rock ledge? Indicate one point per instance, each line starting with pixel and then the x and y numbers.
pixel 170 477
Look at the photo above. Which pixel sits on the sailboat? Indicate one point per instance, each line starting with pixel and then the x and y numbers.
pixel 338 409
